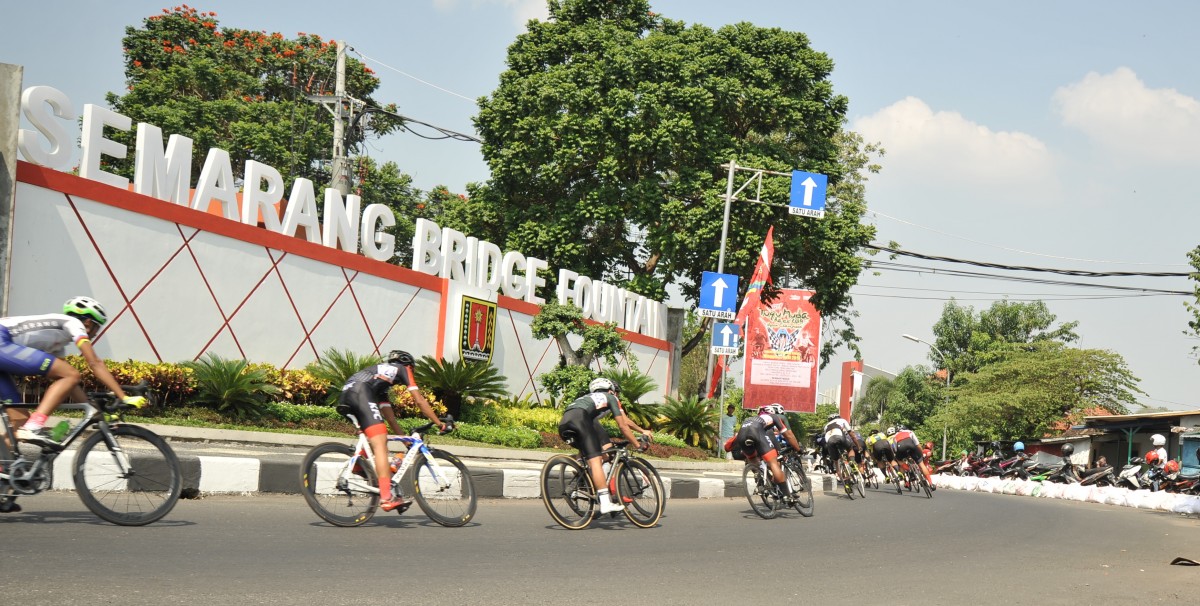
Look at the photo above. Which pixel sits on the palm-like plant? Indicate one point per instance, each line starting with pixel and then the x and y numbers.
pixel 633 384
pixel 335 367
pixel 451 382
pixel 231 386
pixel 690 420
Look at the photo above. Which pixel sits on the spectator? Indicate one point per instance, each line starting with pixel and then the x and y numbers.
pixel 729 426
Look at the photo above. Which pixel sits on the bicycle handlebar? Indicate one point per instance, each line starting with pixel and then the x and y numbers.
pixel 107 401
pixel 424 429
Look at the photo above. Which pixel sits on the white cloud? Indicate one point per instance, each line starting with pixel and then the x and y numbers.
pixel 1118 112
pixel 945 147
pixel 522 10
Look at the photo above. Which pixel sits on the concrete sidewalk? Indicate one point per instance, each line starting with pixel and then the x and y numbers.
pixel 248 462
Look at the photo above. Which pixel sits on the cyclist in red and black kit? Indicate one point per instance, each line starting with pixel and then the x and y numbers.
pixel 580 425
pixel 907 446
pixel 756 438
pixel 365 396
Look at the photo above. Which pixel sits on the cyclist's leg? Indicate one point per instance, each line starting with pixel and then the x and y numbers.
pixel 371 423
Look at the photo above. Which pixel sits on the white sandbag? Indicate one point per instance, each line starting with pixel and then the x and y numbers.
pixel 1113 495
pixel 1026 489
pixel 1162 501
pixel 1186 503
pixel 1050 490
pixel 1075 492
pixel 1133 498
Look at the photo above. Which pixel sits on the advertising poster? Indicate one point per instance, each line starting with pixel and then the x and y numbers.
pixel 783 347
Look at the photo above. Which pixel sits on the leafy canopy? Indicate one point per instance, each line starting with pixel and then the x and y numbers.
pixel 969 340
pixel 607 132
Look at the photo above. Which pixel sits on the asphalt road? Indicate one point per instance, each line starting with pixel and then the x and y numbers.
pixel 958 548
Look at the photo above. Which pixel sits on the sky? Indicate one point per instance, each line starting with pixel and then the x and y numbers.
pixel 1056 135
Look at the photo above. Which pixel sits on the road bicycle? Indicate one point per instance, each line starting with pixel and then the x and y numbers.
pixel 570 496
pixel 765 497
pixel 891 476
pixel 339 482
pixel 124 473
pixel 916 479
pixel 870 478
pixel 852 479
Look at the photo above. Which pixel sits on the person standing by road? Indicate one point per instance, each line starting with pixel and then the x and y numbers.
pixel 729 426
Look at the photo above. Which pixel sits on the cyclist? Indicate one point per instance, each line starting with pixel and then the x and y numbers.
pixel 582 418
pixel 757 438
pixel 838 439
pixel 35 346
pixel 882 450
pixel 365 396
pixel 907 446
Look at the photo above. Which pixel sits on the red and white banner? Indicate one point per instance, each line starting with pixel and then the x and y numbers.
pixel 783 347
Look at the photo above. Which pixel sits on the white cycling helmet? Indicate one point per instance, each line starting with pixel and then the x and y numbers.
pixel 773 409
pixel 601 384
pixel 1158 440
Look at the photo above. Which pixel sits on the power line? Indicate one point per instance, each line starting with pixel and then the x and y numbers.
pixel 1065 272
pixel 959 273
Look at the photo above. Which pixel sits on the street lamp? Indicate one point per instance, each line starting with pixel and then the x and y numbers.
pixel 942 357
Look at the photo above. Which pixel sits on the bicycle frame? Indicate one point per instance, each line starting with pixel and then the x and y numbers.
pixel 25 481
pixel 414 443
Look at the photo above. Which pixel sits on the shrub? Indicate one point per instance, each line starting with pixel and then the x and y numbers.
pixel 565 383
pixel 512 437
pixel 230 386
pixel 452 382
pixel 296 386
pixel 292 413
pixel 405 406
pixel 633 384
pixel 690 420
pixel 335 367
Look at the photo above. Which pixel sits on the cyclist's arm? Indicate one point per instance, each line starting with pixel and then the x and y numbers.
pixel 389 415
pixel 99 370
pixel 626 427
pixel 791 440
pixel 426 409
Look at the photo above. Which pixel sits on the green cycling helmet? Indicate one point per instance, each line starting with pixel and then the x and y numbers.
pixel 85 307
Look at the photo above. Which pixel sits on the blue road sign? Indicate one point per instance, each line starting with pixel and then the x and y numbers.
pixel 808 194
pixel 718 295
pixel 726 338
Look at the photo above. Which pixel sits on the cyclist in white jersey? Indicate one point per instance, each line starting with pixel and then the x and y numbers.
pixel 35 346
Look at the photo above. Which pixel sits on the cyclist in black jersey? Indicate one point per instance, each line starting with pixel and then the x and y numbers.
pixel 757 438
pixel 365 395
pixel 581 424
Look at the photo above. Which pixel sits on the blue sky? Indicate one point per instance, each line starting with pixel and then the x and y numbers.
pixel 1057 135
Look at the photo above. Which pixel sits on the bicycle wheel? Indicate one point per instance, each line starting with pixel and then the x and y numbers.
pixel 341 495
pixel 640 492
pixel 896 480
pixel 567 492
pixel 860 482
pixel 925 485
pixel 451 504
pixel 801 487
pixel 848 478
pixel 662 488
pixel 871 476
pixel 758 492
pixel 131 481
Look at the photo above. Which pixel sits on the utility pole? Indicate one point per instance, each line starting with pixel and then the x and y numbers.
pixel 10 121
pixel 342 108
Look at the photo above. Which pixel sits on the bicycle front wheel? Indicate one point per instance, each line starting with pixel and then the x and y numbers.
pixel 758 492
pixel 567 492
pixel 847 478
pixel 129 477
pixel 662 488
pixel 339 493
pixel 895 477
pixel 801 487
pixel 450 502
pixel 640 492
pixel 859 482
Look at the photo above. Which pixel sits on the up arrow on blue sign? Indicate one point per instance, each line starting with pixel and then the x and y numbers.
pixel 808 194
pixel 718 295
pixel 725 338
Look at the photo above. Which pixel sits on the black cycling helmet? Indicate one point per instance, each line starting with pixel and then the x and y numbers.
pixel 402 358
pixel 1068 450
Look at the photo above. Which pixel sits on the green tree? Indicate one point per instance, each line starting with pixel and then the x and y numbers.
pixel 599 341
pixel 239 90
pixel 1028 390
pixel 1194 324
pixel 607 133
pixel 873 402
pixel 915 394
pixel 969 341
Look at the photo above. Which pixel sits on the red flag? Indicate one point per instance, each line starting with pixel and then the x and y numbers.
pixel 716 378
pixel 760 277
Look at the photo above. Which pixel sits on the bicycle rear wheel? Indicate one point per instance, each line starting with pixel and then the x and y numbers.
pixel 924 481
pixel 758 492
pixel 640 492
pixel 847 478
pixel 895 477
pixel 872 478
pixel 342 495
pixel 801 487
pixel 132 480
pixel 567 492
pixel 452 504
pixel 859 483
